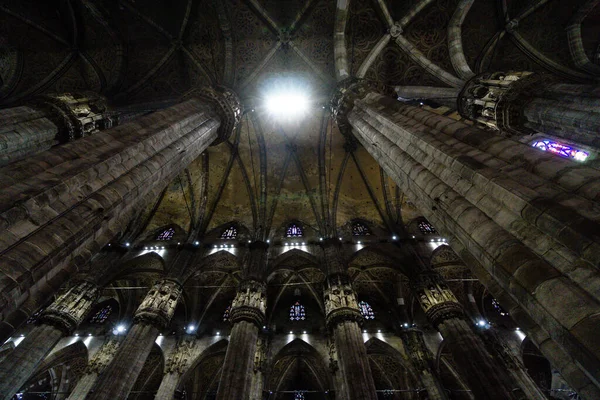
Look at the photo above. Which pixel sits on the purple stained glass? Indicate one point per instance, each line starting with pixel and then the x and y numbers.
pixel 167 234
pixel 101 315
pixel 294 231
pixel 426 228
pixel 499 308
pixel 229 233
pixel 226 313
pixel 561 149
pixel 366 310
pixel 297 312
pixel 298 395
pixel 359 229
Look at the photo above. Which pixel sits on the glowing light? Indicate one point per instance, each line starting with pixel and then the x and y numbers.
pixel 127 244
pixel 191 328
pixel 121 328
pixel 292 104
pixel 481 323
pixel 304 332
pixel 561 149
pixel 394 237
pixel 218 333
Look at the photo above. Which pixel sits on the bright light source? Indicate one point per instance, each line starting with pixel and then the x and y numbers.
pixel 191 328
pixel 126 244
pixel 218 333
pixel 481 322
pixel 287 105
pixel 121 328
pixel 304 332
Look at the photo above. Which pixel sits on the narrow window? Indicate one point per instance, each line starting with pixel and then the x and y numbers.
pixel 167 234
pixel 226 313
pixel 294 231
pixel 359 229
pixel 499 308
pixel 297 312
pixel 426 228
pixel 101 315
pixel 366 310
pixel 229 233
pixel 561 149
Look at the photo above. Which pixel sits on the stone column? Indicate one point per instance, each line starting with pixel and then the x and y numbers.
pixel 152 315
pixel 247 316
pixel 60 207
pixel 94 368
pixel 420 357
pixel 51 120
pixel 518 212
pixel 175 366
pixel 443 310
pixel 61 318
pixel 524 103
pixel 260 361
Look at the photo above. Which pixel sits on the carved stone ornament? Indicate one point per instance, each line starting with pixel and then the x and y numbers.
pixel 340 302
pixel 260 355
pixel 76 114
pixel 159 304
pixel 497 99
pixel 416 349
pixel 333 356
pixel 250 303
pixel 227 105
pixel 70 308
pixel 102 358
pixel 179 360
pixel 435 297
pixel 396 30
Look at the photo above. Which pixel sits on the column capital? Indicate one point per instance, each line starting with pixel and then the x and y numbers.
pixel 158 306
pixel 340 301
pixel 76 114
pixel 227 105
pixel 497 99
pixel 70 308
pixel 435 297
pixel 250 303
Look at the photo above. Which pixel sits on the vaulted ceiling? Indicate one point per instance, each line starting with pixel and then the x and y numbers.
pixel 269 172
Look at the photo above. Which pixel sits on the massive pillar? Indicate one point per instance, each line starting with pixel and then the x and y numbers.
pixel 485 378
pixel 524 215
pixel 523 103
pixel 343 318
pixel 95 367
pixel 175 367
pixel 247 316
pixel 153 315
pixel 59 207
pixel 421 358
pixel 61 318
pixel 51 120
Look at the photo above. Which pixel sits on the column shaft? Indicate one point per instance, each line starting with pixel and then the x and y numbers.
pixel 94 368
pixel 236 377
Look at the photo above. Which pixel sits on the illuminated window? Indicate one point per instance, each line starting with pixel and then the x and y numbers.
pixel 426 228
pixel 298 395
pixel 499 308
pixel 101 315
pixel 297 312
pixel 229 233
pixel 359 229
pixel 226 313
pixel 167 234
pixel 35 316
pixel 294 231
pixel 366 310
pixel 561 149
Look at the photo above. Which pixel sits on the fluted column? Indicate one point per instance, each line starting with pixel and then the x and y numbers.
pixel 60 207
pixel 95 367
pixel 343 320
pixel 153 315
pixel 421 358
pixel 518 212
pixel 61 318
pixel 523 103
pixel 247 315
pixel 485 379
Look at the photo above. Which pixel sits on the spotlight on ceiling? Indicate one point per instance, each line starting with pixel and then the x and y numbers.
pixel 290 104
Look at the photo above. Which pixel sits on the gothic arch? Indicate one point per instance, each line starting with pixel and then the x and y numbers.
pixel 218 348
pixel 204 372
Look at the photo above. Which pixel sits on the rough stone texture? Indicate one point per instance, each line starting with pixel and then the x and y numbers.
pixel 24 359
pixel 58 208
pixel 483 191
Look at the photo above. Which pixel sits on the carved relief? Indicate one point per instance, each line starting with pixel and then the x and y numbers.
pixel 159 304
pixel 435 297
pixel 103 357
pixel 260 355
pixel 250 302
pixel 333 356
pixel 340 301
pixel 69 309
pixel 180 358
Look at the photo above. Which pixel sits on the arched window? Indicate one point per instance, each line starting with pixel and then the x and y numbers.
pixel 297 312
pixel 499 308
pixel 167 234
pixel 561 149
pixel 298 395
pixel 229 233
pixel 226 313
pixel 426 228
pixel 294 231
pixel 34 317
pixel 366 310
pixel 101 316
pixel 359 229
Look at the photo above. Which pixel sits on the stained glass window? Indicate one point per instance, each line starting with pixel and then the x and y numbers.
pixel 298 395
pixel 499 308
pixel 226 313
pixel 294 231
pixel 35 316
pixel 101 315
pixel 167 234
pixel 359 229
pixel 229 233
pixel 561 149
pixel 297 312
pixel 366 310
pixel 426 228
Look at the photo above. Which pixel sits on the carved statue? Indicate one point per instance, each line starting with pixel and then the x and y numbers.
pixel 103 357
pixel 180 358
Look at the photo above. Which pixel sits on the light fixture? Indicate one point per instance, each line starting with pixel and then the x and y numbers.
pixel 77 334
pixel 218 333
pixel 303 244
pixel 127 244
pixel 394 237
pixel 268 240
pixel 321 239
pixel 481 322
pixel 89 334
pixel 304 332
pixel 121 328
pixel 364 331
pixel 286 244
pixel 405 325
pixel 264 327
pixel 191 328
pixel 359 242
pixel 378 330
pixel 340 238
pixel 216 246
pixel 291 333
pixel 196 243
pixel 289 104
